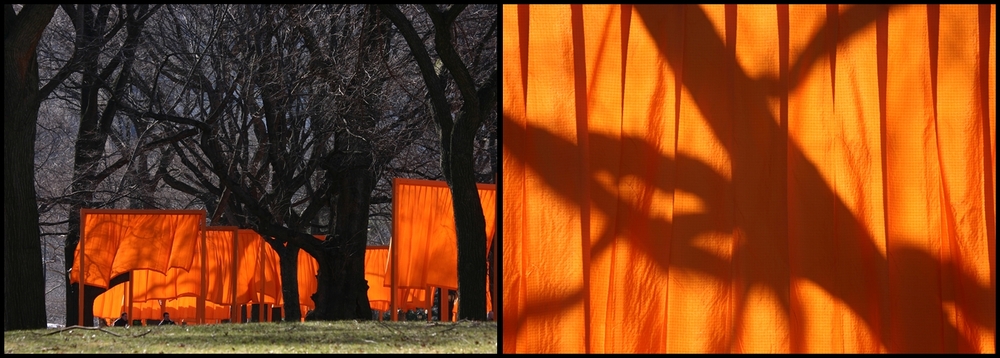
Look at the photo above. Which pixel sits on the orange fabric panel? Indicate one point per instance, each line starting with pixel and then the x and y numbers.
pixel 110 305
pixel 118 241
pixel 308 268
pixel 268 283
pixel 987 15
pixel 219 261
pixel 379 291
pixel 915 226
pixel 175 283
pixel 152 285
pixel 180 288
pixel 249 245
pixel 558 297
pixel 965 255
pixel 215 312
pixel 514 254
pixel 424 225
pixel 836 263
pixel 411 298
pixel 749 178
pixel 183 309
pixel 260 278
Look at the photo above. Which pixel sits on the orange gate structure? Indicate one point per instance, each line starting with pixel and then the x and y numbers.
pixel 423 253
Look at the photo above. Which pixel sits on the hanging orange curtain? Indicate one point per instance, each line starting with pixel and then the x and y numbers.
pixel 376 260
pixel 109 305
pixel 121 241
pixel 185 309
pixel 424 232
pixel 177 282
pixel 259 278
pixel 150 287
pixel 118 241
pixel 424 241
pixel 308 283
pixel 749 178
pixel 249 245
pixel 219 262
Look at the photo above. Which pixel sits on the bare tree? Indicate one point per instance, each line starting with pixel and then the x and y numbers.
pixel 458 131
pixel 290 117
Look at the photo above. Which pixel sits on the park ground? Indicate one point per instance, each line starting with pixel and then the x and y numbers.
pixel 304 337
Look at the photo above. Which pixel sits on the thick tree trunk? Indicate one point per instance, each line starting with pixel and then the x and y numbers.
pixel 343 291
pixel 24 295
pixel 289 257
pixel 24 285
pixel 470 224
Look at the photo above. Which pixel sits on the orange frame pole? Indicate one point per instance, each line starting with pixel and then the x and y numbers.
pixel 80 275
pixel 233 308
pixel 204 283
pixel 394 296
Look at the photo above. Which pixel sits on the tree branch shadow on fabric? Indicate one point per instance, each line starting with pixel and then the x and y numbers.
pixel 855 245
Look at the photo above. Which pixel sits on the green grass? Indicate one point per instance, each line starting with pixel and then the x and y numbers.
pixel 307 337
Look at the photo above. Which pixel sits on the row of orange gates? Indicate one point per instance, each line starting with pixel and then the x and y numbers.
pixel 205 274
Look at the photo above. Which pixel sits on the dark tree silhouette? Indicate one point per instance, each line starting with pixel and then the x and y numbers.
pixel 458 132
pixel 24 288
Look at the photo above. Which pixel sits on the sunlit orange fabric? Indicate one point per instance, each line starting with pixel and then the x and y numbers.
pixel 110 304
pixel 424 237
pixel 308 283
pixel 260 273
pixel 118 241
pixel 219 260
pixel 248 249
pixel 152 285
pixel 375 272
pixel 185 309
pixel 379 287
pixel 379 291
pixel 411 298
pixel 749 178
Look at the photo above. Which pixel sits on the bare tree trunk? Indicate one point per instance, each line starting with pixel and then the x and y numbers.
pixel 288 257
pixel 24 287
pixel 343 290
pixel 470 224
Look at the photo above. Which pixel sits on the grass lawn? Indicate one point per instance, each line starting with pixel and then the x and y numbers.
pixel 307 337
